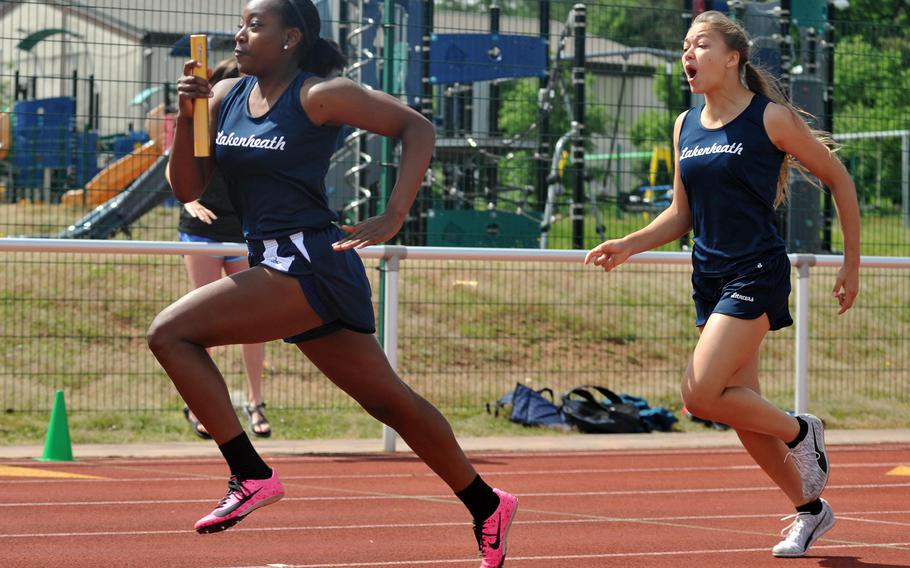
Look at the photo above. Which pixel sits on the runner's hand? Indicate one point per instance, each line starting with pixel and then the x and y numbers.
pixel 198 211
pixel 609 254
pixel 369 232
pixel 846 287
pixel 190 87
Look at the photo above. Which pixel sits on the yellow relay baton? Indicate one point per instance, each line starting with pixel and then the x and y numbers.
pixel 201 139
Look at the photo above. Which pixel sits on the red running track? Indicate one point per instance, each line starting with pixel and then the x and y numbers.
pixel 700 508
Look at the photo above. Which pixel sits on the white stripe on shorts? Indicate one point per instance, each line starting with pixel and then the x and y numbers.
pixel 271 258
pixel 297 239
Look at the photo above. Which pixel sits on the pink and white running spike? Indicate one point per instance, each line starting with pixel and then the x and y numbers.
pixel 491 535
pixel 243 497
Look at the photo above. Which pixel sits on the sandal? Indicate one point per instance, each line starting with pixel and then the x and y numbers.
pixel 196 424
pixel 259 409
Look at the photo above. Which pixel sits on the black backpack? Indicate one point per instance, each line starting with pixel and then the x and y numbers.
pixel 612 416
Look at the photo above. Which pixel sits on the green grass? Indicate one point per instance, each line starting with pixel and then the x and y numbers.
pixel 469 332
pixel 882 235
pixel 149 427
pixel 294 424
pixel 158 426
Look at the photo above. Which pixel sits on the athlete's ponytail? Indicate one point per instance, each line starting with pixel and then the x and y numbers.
pixel 314 54
pixel 324 58
pixel 760 81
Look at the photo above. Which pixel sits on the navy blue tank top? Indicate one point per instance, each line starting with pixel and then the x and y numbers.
pixel 730 175
pixel 275 165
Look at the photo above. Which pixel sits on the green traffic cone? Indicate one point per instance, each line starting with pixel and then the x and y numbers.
pixel 57 446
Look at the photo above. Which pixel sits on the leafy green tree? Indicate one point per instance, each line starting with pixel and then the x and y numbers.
pixel 871 94
pixel 654 127
pixel 878 12
pixel 519 114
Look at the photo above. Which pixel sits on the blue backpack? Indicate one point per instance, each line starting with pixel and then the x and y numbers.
pixel 531 408
pixel 657 418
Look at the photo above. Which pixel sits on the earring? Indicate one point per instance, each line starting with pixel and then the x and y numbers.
pixel 285 47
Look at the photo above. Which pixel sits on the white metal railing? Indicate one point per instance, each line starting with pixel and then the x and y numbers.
pixel 393 255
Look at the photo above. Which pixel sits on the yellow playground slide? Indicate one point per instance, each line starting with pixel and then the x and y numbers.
pixel 119 175
pixel 115 178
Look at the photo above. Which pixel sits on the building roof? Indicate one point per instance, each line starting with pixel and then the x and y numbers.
pixel 145 19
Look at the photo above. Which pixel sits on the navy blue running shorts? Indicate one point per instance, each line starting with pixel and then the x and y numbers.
pixel 761 288
pixel 334 282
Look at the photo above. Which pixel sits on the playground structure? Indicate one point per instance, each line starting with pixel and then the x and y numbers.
pixel 457 80
pixel 454 79
pixel 122 172
pixel 51 151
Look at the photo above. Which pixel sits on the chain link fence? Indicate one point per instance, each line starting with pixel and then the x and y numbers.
pixel 554 131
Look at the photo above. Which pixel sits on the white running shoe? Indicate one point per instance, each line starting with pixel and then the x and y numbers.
pixel 811 458
pixel 805 529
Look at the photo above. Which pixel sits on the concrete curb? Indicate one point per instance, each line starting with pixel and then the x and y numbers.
pixel 569 442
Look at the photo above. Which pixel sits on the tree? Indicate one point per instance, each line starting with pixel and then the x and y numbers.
pixel 654 127
pixel 878 12
pixel 519 112
pixel 654 24
pixel 871 94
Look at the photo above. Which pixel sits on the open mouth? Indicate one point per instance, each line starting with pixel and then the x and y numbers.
pixel 690 71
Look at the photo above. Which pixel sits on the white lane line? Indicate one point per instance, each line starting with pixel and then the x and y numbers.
pixel 429 475
pixel 612 454
pixel 370 496
pixel 473 561
pixel 399 526
pixel 844 517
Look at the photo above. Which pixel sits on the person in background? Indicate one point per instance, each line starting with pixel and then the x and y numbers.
pixel 212 219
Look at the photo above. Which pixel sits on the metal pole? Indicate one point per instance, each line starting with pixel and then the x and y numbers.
pixel 578 142
pixel 785 42
pixel 390 336
pixel 344 25
pixel 426 93
pixel 801 378
pixel 492 171
pixel 418 236
pixel 494 86
pixel 91 103
pixel 387 289
pixel 828 124
pixel 687 23
pixel 543 115
pixel 385 181
pixel 905 178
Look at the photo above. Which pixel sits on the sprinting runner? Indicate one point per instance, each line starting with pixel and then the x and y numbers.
pixel 273 136
pixel 732 160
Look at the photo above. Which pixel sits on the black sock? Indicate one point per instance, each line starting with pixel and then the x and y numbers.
pixel 814 507
pixel 243 460
pixel 480 500
pixel 803 430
